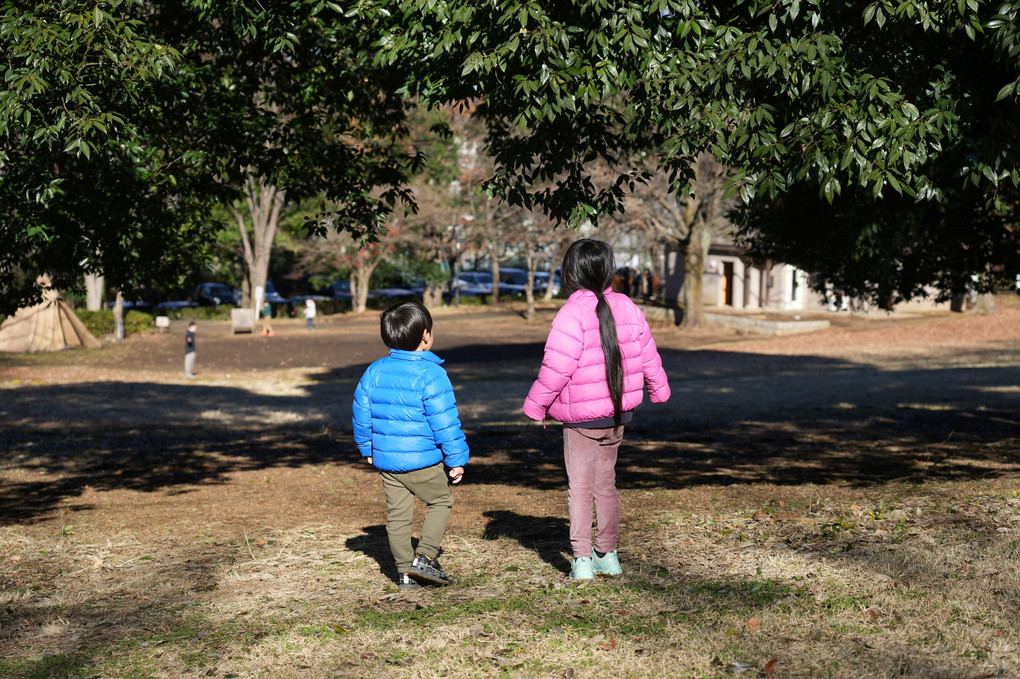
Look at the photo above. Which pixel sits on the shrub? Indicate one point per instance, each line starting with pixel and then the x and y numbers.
pixel 204 313
pixel 101 322
pixel 136 322
pixel 333 306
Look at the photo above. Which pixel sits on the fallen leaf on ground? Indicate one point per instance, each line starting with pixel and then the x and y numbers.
pixel 753 625
pixel 770 667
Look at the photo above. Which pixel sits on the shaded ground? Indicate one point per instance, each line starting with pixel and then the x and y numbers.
pixel 118 473
pixel 868 401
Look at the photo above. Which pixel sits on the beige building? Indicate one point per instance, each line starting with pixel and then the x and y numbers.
pixel 732 281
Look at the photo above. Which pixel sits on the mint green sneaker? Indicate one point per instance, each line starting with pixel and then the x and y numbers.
pixel 581 569
pixel 607 565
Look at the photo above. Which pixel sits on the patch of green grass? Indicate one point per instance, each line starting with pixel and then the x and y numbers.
pixel 846 602
pixel 47 667
pixel 438 615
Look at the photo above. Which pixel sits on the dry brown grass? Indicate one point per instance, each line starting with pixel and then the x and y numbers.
pixel 861 518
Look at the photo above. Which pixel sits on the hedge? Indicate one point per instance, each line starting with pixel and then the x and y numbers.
pixel 101 322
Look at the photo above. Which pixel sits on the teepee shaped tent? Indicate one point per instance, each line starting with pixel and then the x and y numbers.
pixel 48 326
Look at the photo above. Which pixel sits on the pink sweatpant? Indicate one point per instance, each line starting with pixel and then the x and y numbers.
pixel 590 458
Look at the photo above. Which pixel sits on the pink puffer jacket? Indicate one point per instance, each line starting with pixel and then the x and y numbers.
pixel 571 385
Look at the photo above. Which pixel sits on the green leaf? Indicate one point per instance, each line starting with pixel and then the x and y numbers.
pixel 1006 91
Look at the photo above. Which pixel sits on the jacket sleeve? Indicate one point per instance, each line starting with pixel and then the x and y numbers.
pixel 441 414
pixel 651 362
pixel 562 354
pixel 362 420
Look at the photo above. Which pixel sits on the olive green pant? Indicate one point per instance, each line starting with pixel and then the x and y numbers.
pixel 431 487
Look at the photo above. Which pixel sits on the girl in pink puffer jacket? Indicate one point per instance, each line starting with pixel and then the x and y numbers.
pixel 599 356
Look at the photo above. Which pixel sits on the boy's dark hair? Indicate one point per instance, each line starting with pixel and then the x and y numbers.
pixel 588 265
pixel 403 324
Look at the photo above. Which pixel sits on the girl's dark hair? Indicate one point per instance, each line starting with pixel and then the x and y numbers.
pixel 403 324
pixel 589 265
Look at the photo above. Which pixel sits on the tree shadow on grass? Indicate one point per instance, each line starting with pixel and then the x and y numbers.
pixel 781 420
pixel 374 544
pixel 545 535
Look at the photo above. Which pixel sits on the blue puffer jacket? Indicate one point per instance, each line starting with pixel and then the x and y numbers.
pixel 405 416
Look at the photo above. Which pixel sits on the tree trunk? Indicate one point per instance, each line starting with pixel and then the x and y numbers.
pixel 494 297
pixel 433 296
pixel 529 289
pixel 94 291
pixel 264 205
pixel 694 270
pixel 359 287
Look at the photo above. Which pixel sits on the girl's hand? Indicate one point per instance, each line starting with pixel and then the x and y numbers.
pixel 369 458
pixel 456 474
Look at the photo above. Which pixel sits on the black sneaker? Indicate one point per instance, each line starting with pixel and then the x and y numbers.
pixel 424 569
pixel 404 581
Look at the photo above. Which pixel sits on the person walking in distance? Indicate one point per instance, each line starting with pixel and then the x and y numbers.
pixel 189 349
pixel 406 425
pixel 599 356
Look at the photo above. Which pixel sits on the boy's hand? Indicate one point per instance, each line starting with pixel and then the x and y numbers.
pixel 369 458
pixel 456 474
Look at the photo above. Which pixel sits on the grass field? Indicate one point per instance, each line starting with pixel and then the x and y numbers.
pixel 857 516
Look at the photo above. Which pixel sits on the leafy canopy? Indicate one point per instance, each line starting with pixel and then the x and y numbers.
pixel 817 98
pixel 123 123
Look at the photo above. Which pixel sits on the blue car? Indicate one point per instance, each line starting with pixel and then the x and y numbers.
pixel 514 283
pixel 214 294
pixel 543 279
pixel 272 296
pixel 340 290
pixel 476 283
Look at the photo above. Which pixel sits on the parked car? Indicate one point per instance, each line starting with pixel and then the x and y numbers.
pixel 340 290
pixel 546 279
pixel 392 293
pixel 478 283
pixel 174 305
pixel 514 282
pixel 214 294
pixel 272 296
pixel 300 299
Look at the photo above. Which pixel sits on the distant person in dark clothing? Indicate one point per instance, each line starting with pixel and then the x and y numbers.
pixel 646 284
pixel 189 350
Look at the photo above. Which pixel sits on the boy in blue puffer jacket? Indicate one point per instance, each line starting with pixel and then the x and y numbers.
pixel 406 424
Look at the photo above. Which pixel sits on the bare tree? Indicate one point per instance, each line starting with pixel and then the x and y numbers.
pixel 536 237
pixel 688 222
pixel 339 250
pixel 435 233
pixel 264 203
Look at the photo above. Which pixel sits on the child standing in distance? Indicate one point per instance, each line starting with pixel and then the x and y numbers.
pixel 406 425
pixel 310 314
pixel 189 349
pixel 599 355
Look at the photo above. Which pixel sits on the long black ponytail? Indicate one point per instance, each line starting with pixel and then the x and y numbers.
pixel 588 265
